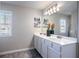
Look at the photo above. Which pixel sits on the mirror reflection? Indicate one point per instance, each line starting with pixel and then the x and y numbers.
pixel 62 21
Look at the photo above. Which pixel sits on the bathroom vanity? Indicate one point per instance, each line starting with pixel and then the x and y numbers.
pixel 55 46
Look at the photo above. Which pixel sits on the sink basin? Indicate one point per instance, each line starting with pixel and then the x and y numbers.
pixel 63 40
pixel 56 36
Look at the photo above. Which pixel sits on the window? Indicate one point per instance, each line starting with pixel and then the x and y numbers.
pixel 5 23
pixel 62 26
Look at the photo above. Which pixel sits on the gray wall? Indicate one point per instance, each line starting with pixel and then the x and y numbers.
pixel 22 25
pixel 22 31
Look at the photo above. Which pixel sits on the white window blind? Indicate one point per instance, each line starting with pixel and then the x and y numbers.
pixel 5 23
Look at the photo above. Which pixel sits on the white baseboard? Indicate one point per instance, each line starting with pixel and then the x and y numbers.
pixel 13 51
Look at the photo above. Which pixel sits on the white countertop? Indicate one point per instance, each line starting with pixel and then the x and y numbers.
pixel 62 41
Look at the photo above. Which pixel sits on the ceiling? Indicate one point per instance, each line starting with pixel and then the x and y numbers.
pixel 67 6
pixel 33 4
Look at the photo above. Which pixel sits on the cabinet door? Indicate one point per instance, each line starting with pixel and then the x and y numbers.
pixel 39 45
pixel 35 42
pixel 69 51
pixel 52 53
pixel 44 49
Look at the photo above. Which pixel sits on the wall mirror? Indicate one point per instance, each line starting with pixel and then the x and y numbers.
pixel 64 18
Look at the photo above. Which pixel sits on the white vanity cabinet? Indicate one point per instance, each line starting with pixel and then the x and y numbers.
pixel 52 49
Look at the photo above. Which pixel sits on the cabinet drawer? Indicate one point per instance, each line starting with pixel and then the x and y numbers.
pixel 47 43
pixel 53 53
pixel 56 47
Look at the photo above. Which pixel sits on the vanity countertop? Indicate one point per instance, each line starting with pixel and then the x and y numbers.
pixel 62 40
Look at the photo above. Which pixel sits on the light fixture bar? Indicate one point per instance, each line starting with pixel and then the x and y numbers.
pixel 52 9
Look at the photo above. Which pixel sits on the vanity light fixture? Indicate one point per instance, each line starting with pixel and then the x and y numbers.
pixel 53 9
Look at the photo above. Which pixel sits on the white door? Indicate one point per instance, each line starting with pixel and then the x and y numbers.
pixel 52 53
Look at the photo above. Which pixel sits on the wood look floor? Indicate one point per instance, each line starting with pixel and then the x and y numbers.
pixel 24 54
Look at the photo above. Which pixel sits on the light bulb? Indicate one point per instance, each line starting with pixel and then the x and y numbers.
pixel 50 9
pixel 59 5
pixel 49 13
pixel 45 13
pixel 52 12
pixel 54 9
pixel 57 9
